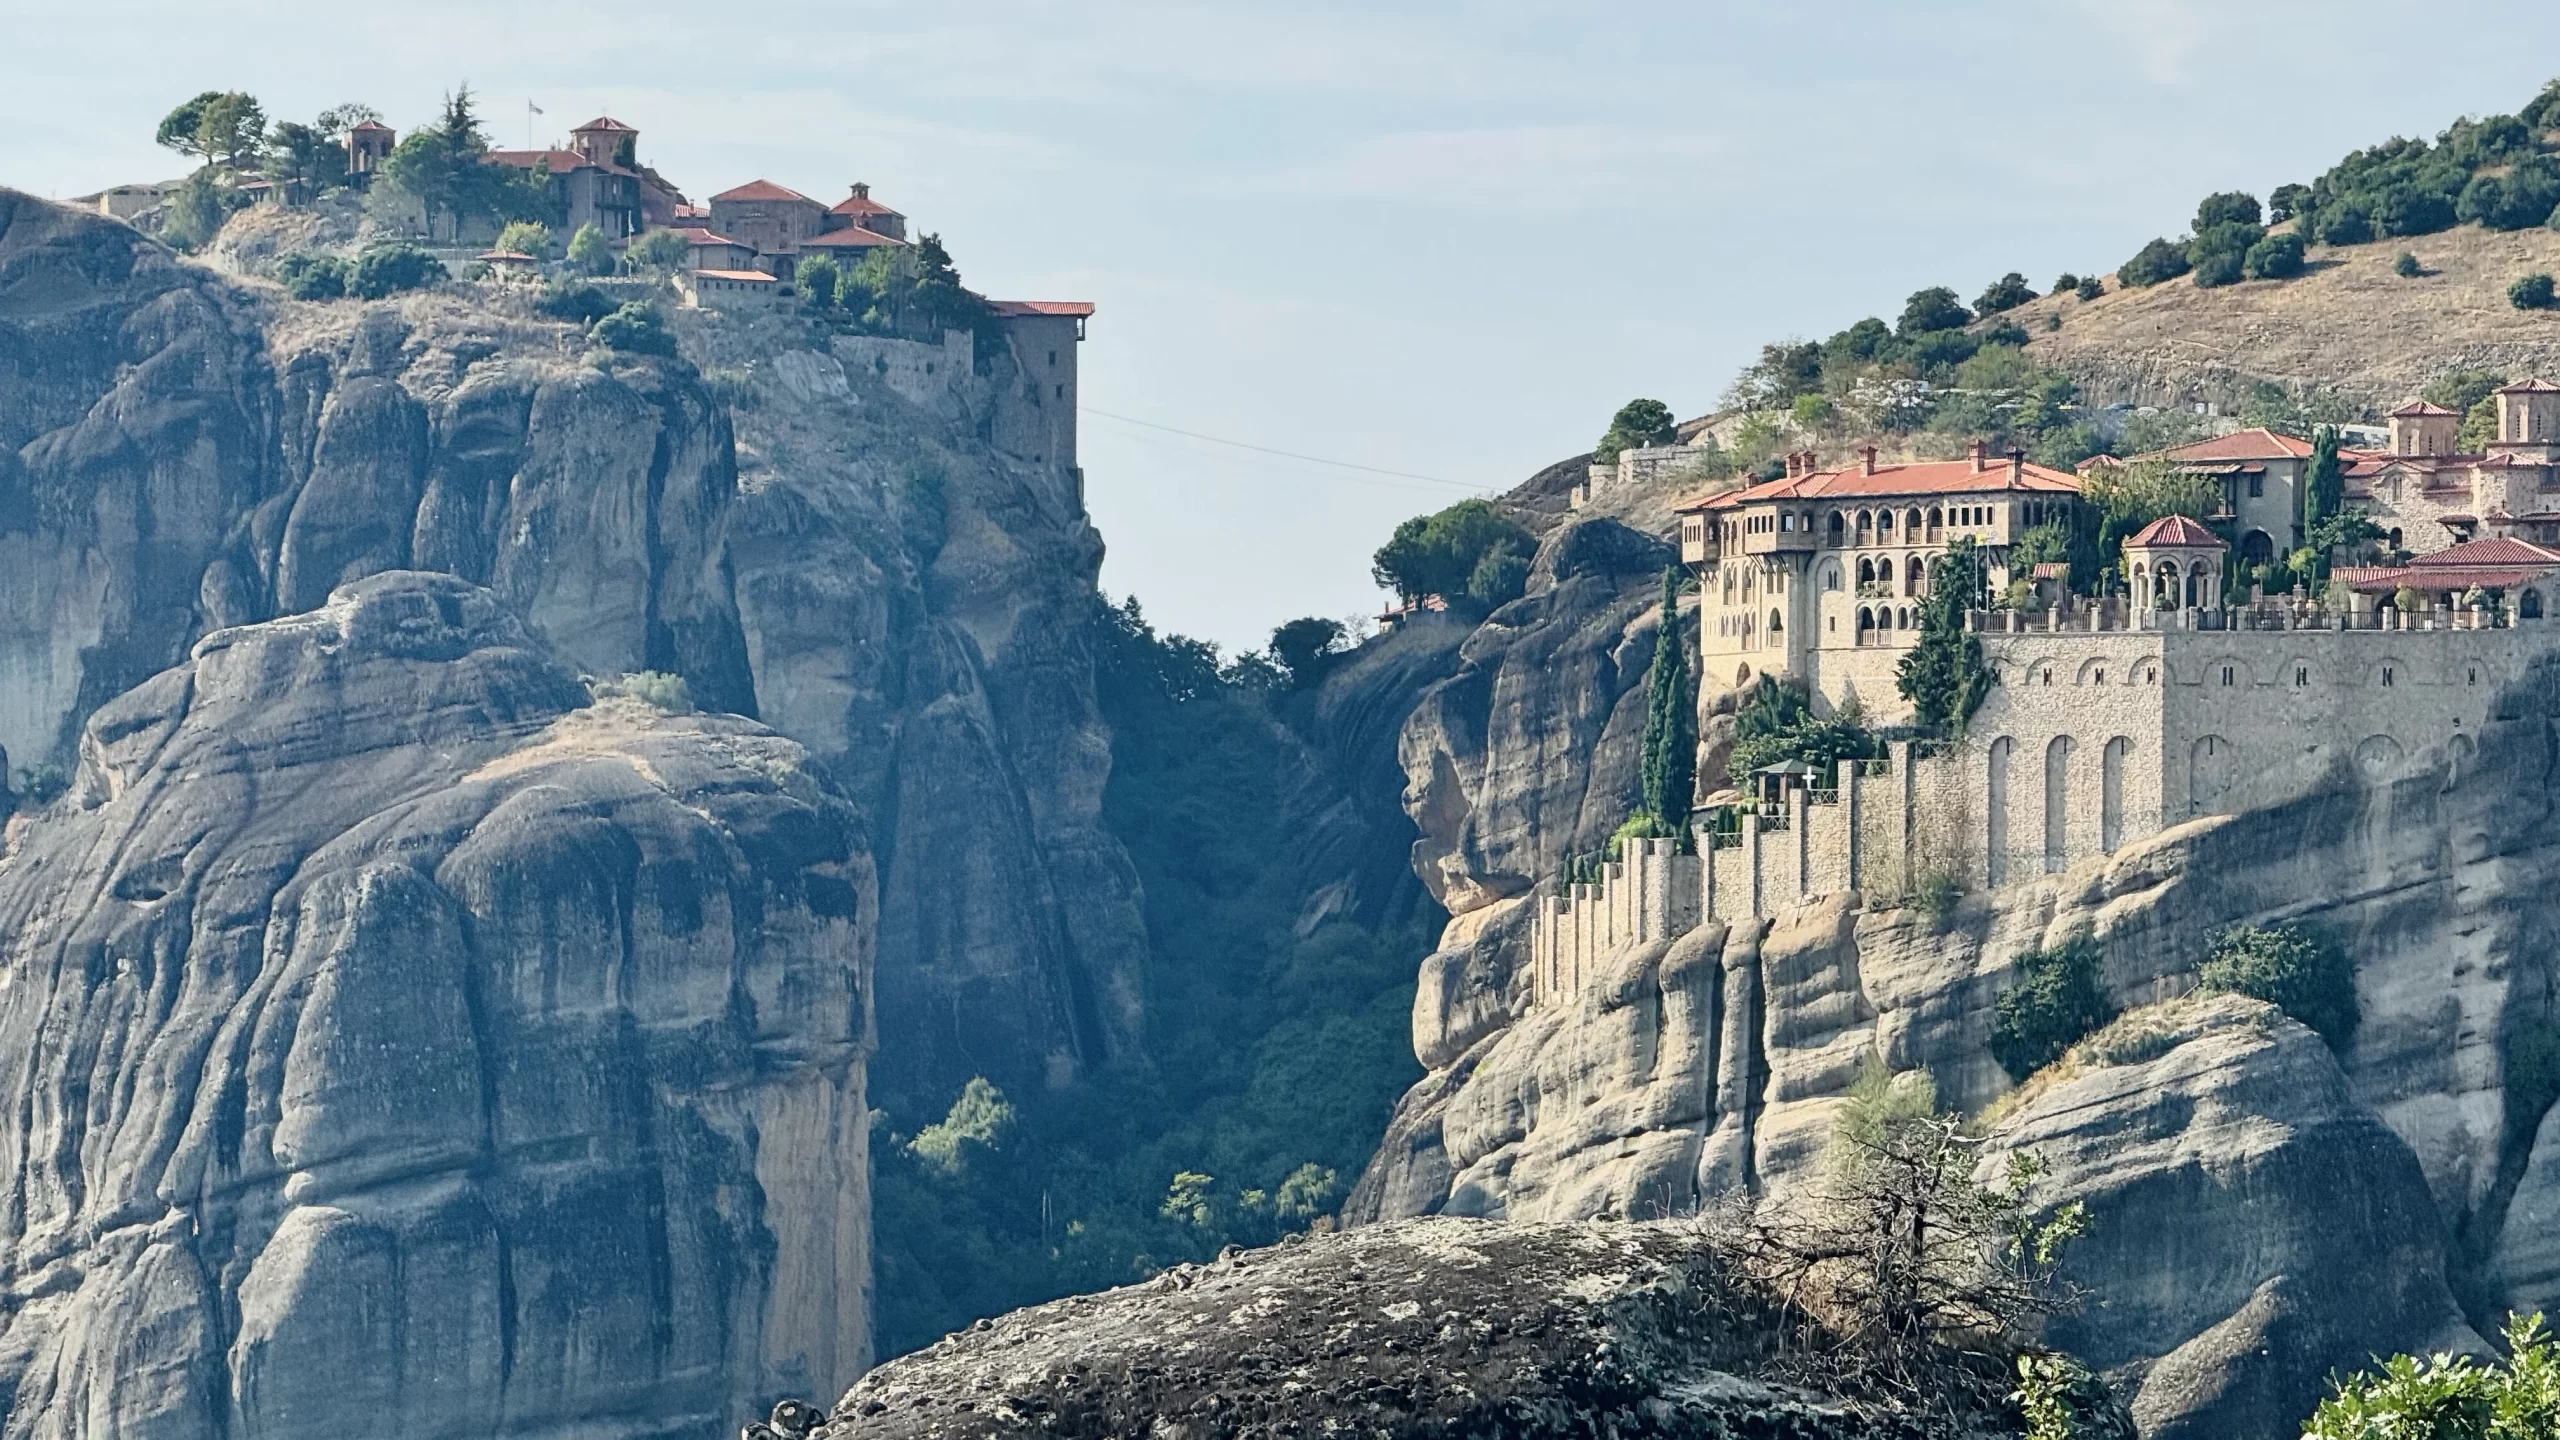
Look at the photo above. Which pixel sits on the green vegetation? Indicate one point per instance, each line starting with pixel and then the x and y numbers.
pixel 196 212
pixel 2275 257
pixel 816 279
pixel 389 269
pixel 2054 1001
pixel 2533 292
pixel 2298 970
pixel 1469 555
pixel 1275 1057
pixel 1778 725
pixel 636 328
pixel 2091 288
pixel 444 168
pixel 590 253
pixel 1670 755
pixel 2451 1397
pixel 2063 1399
pixel 2407 266
pixel 2006 293
pixel 2154 263
pixel 526 237
pixel 219 127
pixel 912 291
pixel 656 252
pixel 1303 647
pixel 314 277
pixel 1944 676
pixel 1638 424
pixel 653 688
pixel 580 303
pixel 2124 498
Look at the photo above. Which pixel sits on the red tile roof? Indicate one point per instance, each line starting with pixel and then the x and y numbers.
pixel 1008 309
pixel 861 205
pixel 2175 532
pixel 2418 408
pixel 604 122
pixel 763 190
pixel 2498 550
pixel 697 235
pixel 2258 444
pixel 2530 387
pixel 371 125
pixel 693 212
pixel 1926 477
pixel 756 277
pixel 853 239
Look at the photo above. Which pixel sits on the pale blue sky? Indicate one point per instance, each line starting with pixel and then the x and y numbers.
pixel 1444 239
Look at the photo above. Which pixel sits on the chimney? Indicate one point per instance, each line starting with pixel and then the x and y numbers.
pixel 1978 452
pixel 1867 459
pixel 2017 468
pixel 1812 461
pixel 1795 464
pixel 861 189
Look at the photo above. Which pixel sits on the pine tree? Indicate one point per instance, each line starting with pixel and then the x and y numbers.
pixel 1943 677
pixel 1671 717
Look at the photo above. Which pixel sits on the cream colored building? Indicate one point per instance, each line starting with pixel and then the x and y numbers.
pixel 1819 575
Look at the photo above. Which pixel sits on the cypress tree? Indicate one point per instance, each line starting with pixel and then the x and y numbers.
pixel 2324 484
pixel 1943 677
pixel 1671 718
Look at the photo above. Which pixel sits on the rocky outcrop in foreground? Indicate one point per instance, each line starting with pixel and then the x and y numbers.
pixel 400 1042
pixel 1429 1327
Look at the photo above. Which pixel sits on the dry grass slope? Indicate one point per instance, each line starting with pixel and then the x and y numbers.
pixel 2350 323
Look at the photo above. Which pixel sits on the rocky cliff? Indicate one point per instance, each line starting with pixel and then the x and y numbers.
pixel 2314 1208
pixel 398 1034
pixel 860 540
pixel 1425 1328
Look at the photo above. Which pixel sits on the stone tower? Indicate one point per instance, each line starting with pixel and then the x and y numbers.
pixel 606 141
pixel 2419 428
pixel 2529 420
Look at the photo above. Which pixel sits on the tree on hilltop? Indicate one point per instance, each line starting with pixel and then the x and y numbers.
pixel 1470 553
pixel 1935 308
pixel 225 127
pixel 1302 646
pixel 2230 207
pixel 2006 293
pixel 1637 425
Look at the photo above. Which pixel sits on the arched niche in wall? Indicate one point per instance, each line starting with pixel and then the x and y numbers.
pixel 2111 793
pixel 2378 757
pixel 2057 803
pixel 2213 768
pixel 2460 753
pixel 1995 812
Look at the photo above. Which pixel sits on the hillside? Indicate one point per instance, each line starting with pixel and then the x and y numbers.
pixel 2348 323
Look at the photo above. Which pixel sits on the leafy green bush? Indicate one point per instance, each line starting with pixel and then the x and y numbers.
pixel 2063 1399
pixel 2348 223
pixel 2412 210
pixel 313 277
pixel 656 252
pixel 1933 309
pixel 2523 197
pixel 2533 292
pixel 1779 725
pixel 817 280
pixel 2006 293
pixel 978 1123
pixel 654 688
pixel 1447 555
pixel 2451 1397
pixel 2054 1001
pixel 2286 202
pixel 2407 266
pixel 590 253
pixel 2219 269
pixel 2275 257
pixel 1303 646
pixel 2230 207
pixel 2065 283
pixel 388 269
pixel 526 237
pixel 635 329
pixel 581 303
pixel 2299 970
pixel 1637 425
pixel 2159 261
pixel 2091 288
pixel 194 215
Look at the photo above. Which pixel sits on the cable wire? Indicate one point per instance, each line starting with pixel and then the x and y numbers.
pixel 1284 454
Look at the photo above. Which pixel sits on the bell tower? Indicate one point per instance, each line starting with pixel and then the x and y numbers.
pixel 2529 420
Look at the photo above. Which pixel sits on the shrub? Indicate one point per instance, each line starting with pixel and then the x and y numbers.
pixel 2407 266
pixel 2218 269
pixel 816 280
pixel 2007 332
pixel 2230 207
pixel 2006 293
pixel 2065 283
pixel 2519 199
pixel 2275 257
pixel 2450 1397
pixel 656 252
pixel 1936 892
pixel 2287 202
pixel 578 302
pixel 650 687
pixel 526 237
pixel 388 269
pixel 2063 1399
pixel 194 215
pixel 589 252
pixel 635 329
pixel 1302 646
pixel 1935 308
pixel 313 277
pixel 2347 224
pixel 1445 554
pixel 2296 969
pixel 2412 210
pixel 2054 1002
pixel 2533 292
pixel 2092 288
pixel 979 1122
pixel 2158 261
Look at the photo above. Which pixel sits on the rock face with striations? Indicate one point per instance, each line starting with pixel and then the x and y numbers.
pixel 400 1036
pixel 868 543
pixel 1424 1328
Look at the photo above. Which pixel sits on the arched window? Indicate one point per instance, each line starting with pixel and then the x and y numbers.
pixel 1866 624
pixel 1911 577
pixel 1884 524
pixel 1911 523
pixel 2057 803
pixel 1902 618
pixel 1937 518
pixel 1866 523
pixel 1830 577
pixel 1774 627
pixel 2530 607
pixel 2256 548
pixel 1832 534
pixel 1866 571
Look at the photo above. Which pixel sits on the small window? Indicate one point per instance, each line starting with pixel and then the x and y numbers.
pixel 2258 486
pixel 2226 674
pixel 2475 675
pixel 2301 676
pixel 1053 357
pixel 2100 678
pixel 2386 674
pixel 1062 392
